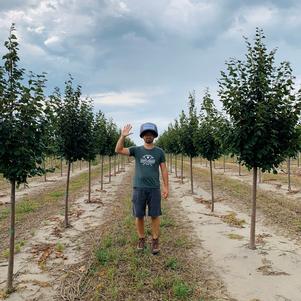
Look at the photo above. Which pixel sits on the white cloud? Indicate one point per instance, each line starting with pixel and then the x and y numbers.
pixel 39 29
pixel 246 19
pixel 124 99
pixel 52 40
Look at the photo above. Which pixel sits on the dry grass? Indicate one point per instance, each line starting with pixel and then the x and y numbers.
pixel 235 236
pixel 284 213
pixel 115 270
pixel 33 210
pixel 232 220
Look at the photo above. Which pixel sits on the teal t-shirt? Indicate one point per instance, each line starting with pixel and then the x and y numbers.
pixel 147 163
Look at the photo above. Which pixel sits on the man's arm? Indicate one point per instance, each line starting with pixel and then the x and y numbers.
pixel 120 149
pixel 164 173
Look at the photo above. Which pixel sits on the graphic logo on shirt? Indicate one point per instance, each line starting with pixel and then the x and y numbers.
pixel 148 160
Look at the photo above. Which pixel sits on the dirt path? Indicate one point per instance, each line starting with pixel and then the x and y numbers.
pixel 39 185
pixel 44 259
pixel 271 272
pixel 267 185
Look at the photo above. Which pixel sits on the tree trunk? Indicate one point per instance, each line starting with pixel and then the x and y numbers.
pixel 80 164
pixel 191 175
pixel 118 163
pixel 89 194
pixel 72 164
pixel 176 167
pixel 101 173
pixel 67 195
pixel 170 163
pixel 45 174
pixel 11 237
pixel 109 169
pixel 211 182
pixel 253 215
pixel 289 174
pixel 182 168
pixel 114 165
pixel 224 163
pixel 61 167
pixel 121 163
pixel 239 169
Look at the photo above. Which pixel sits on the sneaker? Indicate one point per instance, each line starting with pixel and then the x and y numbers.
pixel 155 246
pixel 141 244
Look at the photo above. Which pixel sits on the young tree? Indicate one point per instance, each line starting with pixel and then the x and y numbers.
pixel 54 104
pixel 259 98
pixel 87 134
pixel 101 140
pixel 206 138
pixel 112 138
pixel 72 139
pixel 182 137
pixel 189 128
pixel 21 132
pixel 37 84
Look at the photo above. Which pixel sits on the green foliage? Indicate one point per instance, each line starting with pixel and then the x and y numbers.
pixel 100 130
pixel 21 119
pixel 182 290
pixel 112 138
pixel 51 132
pixel 264 111
pixel 206 137
pixel 188 129
pixel 75 125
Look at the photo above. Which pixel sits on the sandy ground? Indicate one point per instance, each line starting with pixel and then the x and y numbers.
pixel 274 186
pixel 52 248
pixel 39 185
pixel 271 272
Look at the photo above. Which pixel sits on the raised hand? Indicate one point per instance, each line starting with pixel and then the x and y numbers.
pixel 126 130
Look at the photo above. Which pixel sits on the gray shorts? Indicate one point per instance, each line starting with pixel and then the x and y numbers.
pixel 150 197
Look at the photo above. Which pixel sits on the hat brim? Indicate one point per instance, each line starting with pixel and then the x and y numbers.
pixel 142 133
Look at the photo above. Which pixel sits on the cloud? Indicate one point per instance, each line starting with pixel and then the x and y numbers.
pixel 122 99
pixel 138 47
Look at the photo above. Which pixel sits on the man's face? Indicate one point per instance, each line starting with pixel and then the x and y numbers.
pixel 148 137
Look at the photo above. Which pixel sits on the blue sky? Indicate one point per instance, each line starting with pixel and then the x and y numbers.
pixel 140 59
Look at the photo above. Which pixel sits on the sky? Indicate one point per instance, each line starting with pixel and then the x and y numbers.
pixel 139 59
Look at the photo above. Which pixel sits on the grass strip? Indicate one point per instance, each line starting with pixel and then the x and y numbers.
pixel 278 210
pixel 31 211
pixel 120 272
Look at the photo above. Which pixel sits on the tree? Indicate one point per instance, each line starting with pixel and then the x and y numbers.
pixel 207 138
pixel 101 139
pixel 189 127
pixel 182 137
pixel 259 98
pixel 73 139
pixel 53 106
pixel 112 138
pixel 87 134
pixel 37 84
pixel 21 132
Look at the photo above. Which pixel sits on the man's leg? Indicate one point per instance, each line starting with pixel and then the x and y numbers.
pixel 155 226
pixel 155 233
pixel 140 226
pixel 140 231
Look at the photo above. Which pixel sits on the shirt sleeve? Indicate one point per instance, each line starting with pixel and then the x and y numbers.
pixel 132 150
pixel 162 157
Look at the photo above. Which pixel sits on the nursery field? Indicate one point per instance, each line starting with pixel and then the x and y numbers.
pixel 204 255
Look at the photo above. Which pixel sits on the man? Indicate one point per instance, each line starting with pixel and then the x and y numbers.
pixel 146 185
